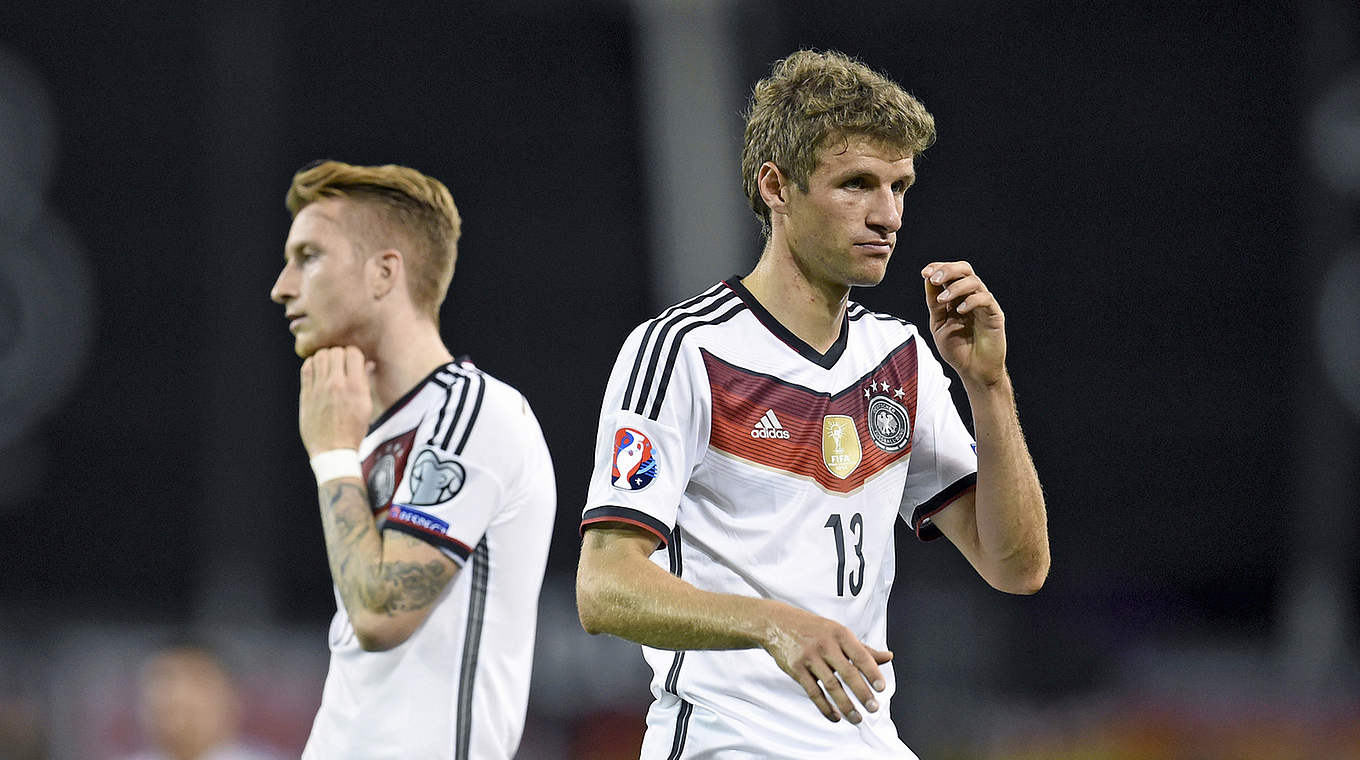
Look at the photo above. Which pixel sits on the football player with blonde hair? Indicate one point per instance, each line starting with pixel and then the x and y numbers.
pixel 435 486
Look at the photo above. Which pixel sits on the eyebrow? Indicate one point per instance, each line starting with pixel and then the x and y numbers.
pixel 852 173
pixel 293 248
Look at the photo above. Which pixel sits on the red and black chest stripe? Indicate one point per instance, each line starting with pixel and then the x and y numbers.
pixel 822 444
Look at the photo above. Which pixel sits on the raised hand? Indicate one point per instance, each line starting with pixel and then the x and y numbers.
pixel 967 322
pixel 334 405
pixel 825 658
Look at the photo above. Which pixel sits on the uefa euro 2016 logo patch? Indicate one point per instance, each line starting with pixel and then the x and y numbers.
pixel 634 463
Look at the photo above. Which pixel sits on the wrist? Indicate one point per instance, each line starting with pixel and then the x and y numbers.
pixel 336 464
pixel 770 617
pixel 994 385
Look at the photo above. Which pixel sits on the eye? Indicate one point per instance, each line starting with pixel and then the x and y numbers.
pixel 854 183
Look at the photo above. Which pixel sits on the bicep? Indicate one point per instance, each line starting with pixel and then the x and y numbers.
pixel 614 547
pixel 958 522
pixel 422 569
pixel 614 562
pixel 413 575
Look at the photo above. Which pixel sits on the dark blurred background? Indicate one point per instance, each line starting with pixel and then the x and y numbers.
pixel 1165 197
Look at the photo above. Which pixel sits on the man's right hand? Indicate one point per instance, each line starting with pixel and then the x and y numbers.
pixel 824 657
pixel 334 405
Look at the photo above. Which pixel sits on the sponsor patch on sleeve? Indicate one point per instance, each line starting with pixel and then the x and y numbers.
pixel 415 518
pixel 635 465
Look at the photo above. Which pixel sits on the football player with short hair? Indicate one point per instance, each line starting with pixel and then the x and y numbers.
pixel 768 433
pixel 436 489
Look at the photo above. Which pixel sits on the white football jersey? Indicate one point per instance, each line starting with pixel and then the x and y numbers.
pixel 770 470
pixel 460 463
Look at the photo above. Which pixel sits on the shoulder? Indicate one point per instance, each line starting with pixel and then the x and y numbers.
pixel 877 323
pixel 666 347
pixel 857 312
pixel 678 322
pixel 488 397
pixel 464 401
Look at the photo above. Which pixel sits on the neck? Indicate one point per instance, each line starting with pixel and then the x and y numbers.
pixel 405 355
pixel 811 309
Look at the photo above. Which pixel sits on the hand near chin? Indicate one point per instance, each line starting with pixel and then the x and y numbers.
pixel 967 322
pixel 334 405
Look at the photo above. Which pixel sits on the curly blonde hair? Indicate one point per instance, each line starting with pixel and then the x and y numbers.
pixel 811 98
pixel 415 208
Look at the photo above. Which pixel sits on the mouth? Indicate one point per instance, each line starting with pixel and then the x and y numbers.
pixel 294 321
pixel 877 247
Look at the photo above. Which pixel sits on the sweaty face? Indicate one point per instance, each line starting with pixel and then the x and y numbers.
pixel 321 286
pixel 842 231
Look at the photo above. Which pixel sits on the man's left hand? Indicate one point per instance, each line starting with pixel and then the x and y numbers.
pixel 967 322
pixel 334 405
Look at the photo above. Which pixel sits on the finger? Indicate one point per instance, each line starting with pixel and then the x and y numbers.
pixel 852 674
pixel 305 374
pixel 960 288
pixel 937 310
pixel 354 364
pixel 866 660
pixel 321 365
pixel 940 272
pixel 975 301
pixel 831 684
pixel 814 693
pixel 881 656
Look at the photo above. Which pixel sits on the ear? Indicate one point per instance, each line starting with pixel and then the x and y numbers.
pixel 774 187
pixel 385 271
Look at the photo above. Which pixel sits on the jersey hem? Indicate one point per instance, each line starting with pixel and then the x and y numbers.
pixel 925 530
pixel 626 515
pixel 437 540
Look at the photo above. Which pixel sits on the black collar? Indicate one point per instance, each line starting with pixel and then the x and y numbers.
pixel 406 397
pixel 825 361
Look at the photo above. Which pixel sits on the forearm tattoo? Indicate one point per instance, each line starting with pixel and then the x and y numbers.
pixel 354 547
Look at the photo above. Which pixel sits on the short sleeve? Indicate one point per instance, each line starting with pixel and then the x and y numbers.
pixel 651 432
pixel 454 484
pixel 943 462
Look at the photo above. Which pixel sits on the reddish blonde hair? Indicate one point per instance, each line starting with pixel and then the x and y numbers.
pixel 404 203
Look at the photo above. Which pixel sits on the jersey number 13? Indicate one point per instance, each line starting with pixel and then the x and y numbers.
pixel 856 576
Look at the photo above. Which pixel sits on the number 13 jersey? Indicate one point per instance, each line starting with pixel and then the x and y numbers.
pixel 770 470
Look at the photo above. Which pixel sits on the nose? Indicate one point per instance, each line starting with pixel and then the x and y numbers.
pixel 284 288
pixel 885 212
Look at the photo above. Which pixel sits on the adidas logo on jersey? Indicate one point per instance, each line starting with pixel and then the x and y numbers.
pixel 769 427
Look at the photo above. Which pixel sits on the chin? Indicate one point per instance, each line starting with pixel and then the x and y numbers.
pixel 304 347
pixel 867 279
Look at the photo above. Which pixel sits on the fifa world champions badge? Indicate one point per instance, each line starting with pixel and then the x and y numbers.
pixel 634 461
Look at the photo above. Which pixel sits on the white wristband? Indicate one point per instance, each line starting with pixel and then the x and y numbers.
pixel 337 463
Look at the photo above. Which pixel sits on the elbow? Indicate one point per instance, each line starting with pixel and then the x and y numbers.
pixel 379 635
pixel 588 608
pixel 1026 581
pixel 598 601
pixel 1026 586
